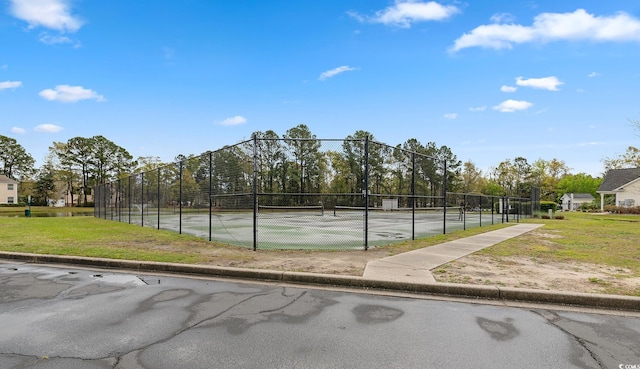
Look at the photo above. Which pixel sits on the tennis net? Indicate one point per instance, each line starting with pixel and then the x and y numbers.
pixel 346 211
pixel 293 210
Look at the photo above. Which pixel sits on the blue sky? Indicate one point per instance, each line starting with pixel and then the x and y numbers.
pixel 492 80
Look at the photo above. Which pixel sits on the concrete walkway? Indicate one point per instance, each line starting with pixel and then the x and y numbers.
pixel 415 266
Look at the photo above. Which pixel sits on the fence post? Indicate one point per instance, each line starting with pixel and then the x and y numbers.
pixel 118 199
pixel 413 195
pixel 366 192
pixel 158 197
pixel 129 200
pixel 255 192
pixel 464 212
pixel 142 199
pixel 480 211
pixel 110 198
pixel 444 197
pixel 180 200
pixel 210 191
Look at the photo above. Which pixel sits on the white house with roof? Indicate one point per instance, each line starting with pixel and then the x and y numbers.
pixel 8 190
pixel 624 184
pixel 573 201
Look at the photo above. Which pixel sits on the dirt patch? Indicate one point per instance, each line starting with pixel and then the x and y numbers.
pixel 531 273
pixel 326 262
pixel 472 269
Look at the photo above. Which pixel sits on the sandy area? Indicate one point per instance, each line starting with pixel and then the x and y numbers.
pixel 472 269
pixel 530 273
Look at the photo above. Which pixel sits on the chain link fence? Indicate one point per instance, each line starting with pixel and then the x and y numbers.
pixel 304 194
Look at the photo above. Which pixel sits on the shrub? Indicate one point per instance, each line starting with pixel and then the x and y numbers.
pixel 592 206
pixel 560 217
pixel 546 205
pixel 622 210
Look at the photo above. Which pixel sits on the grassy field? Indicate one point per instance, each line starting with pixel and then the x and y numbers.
pixel 89 236
pixel 605 239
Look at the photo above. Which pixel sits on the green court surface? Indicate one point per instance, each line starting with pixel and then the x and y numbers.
pixel 312 229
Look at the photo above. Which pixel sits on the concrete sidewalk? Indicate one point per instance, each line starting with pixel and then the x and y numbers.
pixel 415 266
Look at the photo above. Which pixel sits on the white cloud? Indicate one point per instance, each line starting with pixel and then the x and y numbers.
pixel 335 71
pixel 510 106
pixel 478 108
pixel 18 130
pixel 548 27
pixel 508 89
pixel 52 14
pixel 48 39
pixel 593 74
pixel 234 121
pixel 66 93
pixel 592 143
pixel 48 128
pixel 451 116
pixel 10 84
pixel 502 18
pixel 405 12
pixel 545 83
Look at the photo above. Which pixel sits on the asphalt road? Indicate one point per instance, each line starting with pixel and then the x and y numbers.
pixel 52 317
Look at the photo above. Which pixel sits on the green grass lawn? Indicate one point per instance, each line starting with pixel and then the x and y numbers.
pixel 89 236
pixel 605 239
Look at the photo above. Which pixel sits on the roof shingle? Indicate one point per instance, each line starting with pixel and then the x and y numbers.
pixel 615 178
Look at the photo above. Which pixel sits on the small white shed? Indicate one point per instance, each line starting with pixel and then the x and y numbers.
pixel 573 201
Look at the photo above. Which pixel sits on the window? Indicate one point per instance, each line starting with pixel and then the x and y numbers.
pixel 10 200
pixel 10 186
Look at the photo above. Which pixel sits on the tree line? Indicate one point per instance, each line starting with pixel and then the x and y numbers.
pixel 295 162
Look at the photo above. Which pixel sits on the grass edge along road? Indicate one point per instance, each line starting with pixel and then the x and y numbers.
pixel 604 239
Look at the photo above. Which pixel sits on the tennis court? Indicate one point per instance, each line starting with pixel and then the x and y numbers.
pixel 304 193
pixel 314 227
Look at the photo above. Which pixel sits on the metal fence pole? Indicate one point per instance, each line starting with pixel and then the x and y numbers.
pixel 255 192
pixel 444 198
pixel 366 193
pixel 158 198
pixel 493 205
pixel 480 211
pixel 464 212
pixel 413 195
pixel 180 199
pixel 129 201
pixel 119 200
pixel 111 202
pixel 142 199
pixel 210 191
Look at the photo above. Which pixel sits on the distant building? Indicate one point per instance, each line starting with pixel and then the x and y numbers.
pixel 8 190
pixel 624 184
pixel 573 201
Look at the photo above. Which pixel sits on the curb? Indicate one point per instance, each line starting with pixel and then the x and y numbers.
pixel 602 301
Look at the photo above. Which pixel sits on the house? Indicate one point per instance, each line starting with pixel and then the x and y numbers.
pixel 8 190
pixel 573 201
pixel 62 195
pixel 624 184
